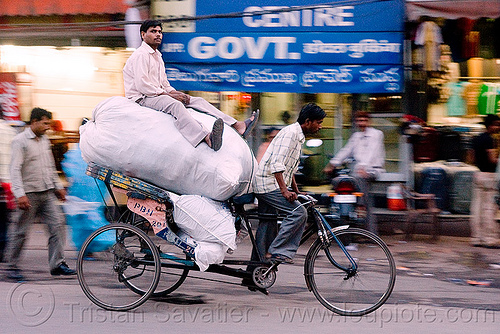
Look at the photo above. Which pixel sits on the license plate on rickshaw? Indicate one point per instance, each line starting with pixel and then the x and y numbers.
pixel 344 199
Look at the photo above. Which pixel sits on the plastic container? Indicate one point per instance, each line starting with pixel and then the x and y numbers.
pixel 395 198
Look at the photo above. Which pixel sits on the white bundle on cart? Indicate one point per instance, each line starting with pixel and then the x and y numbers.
pixel 209 223
pixel 144 143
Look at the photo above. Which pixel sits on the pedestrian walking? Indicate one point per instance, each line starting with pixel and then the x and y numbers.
pixel 36 187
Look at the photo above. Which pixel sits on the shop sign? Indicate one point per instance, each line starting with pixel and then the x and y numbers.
pixel 301 15
pixel 311 48
pixel 287 78
pixel 9 97
pixel 288 46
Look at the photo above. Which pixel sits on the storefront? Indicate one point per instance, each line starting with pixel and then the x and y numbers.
pixel 276 56
pixel 283 54
pixel 455 60
pixel 453 84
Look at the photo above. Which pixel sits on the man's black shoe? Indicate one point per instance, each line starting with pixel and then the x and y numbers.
pixel 216 134
pixel 15 274
pixel 62 269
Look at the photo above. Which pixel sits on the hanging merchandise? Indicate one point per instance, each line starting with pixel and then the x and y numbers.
pixel 486 29
pixel 434 90
pixel 489 99
pixel 453 71
pixel 475 67
pixel 429 37
pixel 456 105
pixel 471 93
pixel 425 145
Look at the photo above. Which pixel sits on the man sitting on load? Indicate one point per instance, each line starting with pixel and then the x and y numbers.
pixel 146 83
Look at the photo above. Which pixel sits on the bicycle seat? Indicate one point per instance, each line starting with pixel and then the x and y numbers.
pixel 244 199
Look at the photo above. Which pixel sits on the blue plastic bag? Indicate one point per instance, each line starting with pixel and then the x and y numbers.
pixel 84 207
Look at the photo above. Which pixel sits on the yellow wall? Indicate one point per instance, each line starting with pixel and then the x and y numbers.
pixel 272 106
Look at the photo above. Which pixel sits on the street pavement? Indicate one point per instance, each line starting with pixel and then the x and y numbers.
pixel 442 287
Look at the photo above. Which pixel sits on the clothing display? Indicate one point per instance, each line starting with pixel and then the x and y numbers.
pixel 456 105
pixel 471 93
pixel 489 99
pixel 429 37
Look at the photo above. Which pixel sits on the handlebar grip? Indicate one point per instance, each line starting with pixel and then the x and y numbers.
pixel 307 198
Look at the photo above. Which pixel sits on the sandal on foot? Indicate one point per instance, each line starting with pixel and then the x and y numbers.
pixel 251 123
pixel 278 258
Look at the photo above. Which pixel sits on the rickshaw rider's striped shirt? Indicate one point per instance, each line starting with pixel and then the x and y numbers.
pixel 282 155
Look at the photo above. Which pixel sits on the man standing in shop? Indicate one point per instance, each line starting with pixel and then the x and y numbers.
pixel 483 208
pixel 366 148
pixel 35 184
pixel 146 83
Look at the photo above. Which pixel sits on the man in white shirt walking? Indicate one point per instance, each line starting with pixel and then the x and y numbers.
pixel 146 83
pixel 366 147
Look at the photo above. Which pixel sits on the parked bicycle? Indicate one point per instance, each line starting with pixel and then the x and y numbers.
pixel 349 270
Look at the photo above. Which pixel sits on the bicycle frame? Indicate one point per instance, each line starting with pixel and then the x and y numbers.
pixel 150 202
pixel 153 204
pixel 323 230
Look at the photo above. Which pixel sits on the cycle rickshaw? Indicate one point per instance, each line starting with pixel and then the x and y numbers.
pixel 349 270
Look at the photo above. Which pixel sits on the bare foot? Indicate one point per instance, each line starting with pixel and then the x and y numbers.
pixel 208 141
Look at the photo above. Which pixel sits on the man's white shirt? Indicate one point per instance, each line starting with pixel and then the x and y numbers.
pixel 144 74
pixel 366 148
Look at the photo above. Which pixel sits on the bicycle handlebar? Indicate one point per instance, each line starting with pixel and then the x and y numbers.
pixel 307 200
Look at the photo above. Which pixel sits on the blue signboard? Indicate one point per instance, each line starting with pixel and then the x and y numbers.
pixel 307 48
pixel 287 78
pixel 290 46
pixel 302 15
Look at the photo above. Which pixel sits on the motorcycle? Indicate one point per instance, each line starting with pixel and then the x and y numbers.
pixel 346 204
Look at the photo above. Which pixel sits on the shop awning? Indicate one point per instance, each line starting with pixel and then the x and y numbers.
pixel 60 7
pixel 453 9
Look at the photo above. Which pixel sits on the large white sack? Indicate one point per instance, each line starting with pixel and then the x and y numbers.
pixel 209 223
pixel 144 143
pixel 204 219
pixel 206 253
